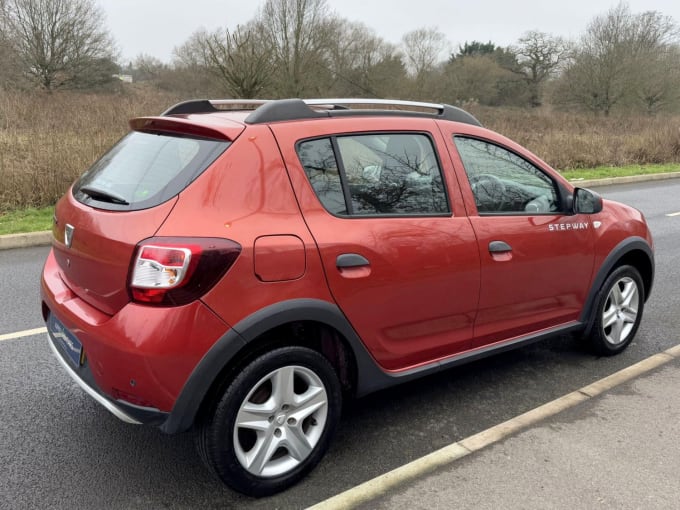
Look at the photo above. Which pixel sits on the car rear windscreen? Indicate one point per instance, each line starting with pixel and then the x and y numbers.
pixel 145 169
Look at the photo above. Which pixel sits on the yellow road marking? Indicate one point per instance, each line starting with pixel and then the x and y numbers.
pixel 21 334
pixel 371 489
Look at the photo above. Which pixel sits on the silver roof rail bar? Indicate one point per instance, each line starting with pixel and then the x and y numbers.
pixel 274 110
pixel 372 102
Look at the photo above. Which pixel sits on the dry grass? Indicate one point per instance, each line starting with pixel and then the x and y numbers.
pixel 570 141
pixel 47 141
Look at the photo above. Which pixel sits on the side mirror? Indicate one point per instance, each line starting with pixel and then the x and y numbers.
pixel 586 201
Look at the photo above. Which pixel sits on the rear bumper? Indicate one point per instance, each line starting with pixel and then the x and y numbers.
pixel 136 362
pixel 125 412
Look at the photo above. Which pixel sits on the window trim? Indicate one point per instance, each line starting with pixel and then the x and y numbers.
pixel 343 177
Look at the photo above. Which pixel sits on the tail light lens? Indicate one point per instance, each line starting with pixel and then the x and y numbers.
pixel 171 271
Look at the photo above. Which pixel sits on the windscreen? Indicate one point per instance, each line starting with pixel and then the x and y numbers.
pixel 145 169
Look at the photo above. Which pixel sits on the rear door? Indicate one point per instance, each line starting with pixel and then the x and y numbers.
pixel 536 258
pixel 400 257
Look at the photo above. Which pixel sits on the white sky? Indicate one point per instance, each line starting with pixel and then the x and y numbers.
pixel 155 27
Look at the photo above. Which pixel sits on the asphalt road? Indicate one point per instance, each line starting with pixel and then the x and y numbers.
pixel 59 449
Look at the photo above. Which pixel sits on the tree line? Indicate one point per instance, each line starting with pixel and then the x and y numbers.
pixel 623 61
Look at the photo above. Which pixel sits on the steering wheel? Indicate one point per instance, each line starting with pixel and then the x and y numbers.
pixel 489 192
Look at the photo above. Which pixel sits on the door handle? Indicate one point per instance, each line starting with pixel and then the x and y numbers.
pixel 349 260
pixel 499 247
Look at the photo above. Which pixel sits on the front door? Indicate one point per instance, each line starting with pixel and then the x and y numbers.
pixel 536 260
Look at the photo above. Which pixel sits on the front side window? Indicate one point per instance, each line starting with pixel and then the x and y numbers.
pixel 504 183
pixel 375 174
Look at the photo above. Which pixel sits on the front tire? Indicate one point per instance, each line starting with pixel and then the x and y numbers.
pixel 618 312
pixel 273 423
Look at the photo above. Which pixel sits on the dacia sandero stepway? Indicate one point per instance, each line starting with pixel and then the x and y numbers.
pixel 242 267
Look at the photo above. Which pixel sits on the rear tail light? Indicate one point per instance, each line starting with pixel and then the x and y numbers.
pixel 170 271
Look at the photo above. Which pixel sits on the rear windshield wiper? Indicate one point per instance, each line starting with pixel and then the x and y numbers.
pixel 103 195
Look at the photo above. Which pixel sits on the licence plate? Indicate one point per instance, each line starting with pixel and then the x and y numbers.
pixel 65 341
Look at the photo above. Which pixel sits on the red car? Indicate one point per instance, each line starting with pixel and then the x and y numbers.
pixel 241 267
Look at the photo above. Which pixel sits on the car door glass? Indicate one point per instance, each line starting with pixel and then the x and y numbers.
pixel 375 174
pixel 318 160
pixel 392 173
pixel 504 183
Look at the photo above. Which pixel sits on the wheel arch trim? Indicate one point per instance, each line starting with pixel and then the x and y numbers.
pixel 625 247
pixel 369 376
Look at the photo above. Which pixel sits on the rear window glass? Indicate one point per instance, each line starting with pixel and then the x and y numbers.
pixel 144 170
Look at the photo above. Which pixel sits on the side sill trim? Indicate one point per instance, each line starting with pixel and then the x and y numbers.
pixel 395 378
pixel 117 412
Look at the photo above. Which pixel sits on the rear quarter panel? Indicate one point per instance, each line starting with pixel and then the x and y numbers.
pixel 247 195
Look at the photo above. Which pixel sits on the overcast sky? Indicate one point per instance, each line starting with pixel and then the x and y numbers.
pixel 155 27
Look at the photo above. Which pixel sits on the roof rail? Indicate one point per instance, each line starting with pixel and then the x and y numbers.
pixel 208 106
pixel 264 110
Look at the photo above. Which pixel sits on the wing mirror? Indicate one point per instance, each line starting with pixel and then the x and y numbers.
pixel 586 201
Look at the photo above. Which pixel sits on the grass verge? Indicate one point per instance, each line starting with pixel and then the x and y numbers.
pixel 604 172
pixel 26 220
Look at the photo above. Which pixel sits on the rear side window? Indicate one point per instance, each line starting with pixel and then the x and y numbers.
pixel 318 160
pixel 375 174
pixel 144 170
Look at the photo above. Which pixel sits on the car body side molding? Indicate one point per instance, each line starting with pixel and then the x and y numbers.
pixel 370 376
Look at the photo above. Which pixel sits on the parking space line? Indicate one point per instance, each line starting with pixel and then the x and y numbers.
pixel 21 334
pixel 673 214
pixel 372 489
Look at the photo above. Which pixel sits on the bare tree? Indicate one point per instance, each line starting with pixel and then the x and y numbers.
pixel 146 68
pixel 424 52
pixel 362 64
pixel 9 61
pixel 474 79
pixel 59 43
pixel 241 59
pixel 658 80
pixel 424 49
pixel 608 67
pixel 190 74
pixel 539 56
pixel 299 33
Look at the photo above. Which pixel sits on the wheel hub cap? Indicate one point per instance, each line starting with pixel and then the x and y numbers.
pixel 620 312
pixel 280 421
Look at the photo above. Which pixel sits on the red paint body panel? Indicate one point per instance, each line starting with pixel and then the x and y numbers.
pixel 545 283
pixel 618 222
pixel 96 265
pixel 418 301
pixel 158 348
pixel 245 195
pixel 279 258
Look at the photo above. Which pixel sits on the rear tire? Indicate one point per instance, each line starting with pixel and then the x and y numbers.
pixel 273 423
pixel 618 311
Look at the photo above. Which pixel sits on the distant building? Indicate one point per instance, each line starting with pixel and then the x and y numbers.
pixel 127 78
